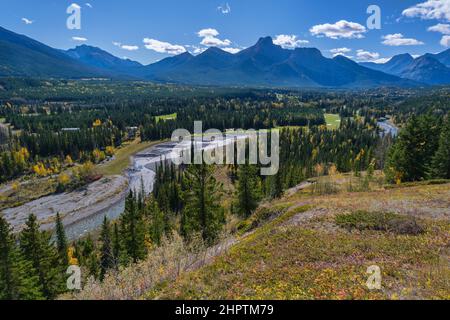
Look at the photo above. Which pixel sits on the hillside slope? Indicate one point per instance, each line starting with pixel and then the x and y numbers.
pixel 303 247
pixel 305 254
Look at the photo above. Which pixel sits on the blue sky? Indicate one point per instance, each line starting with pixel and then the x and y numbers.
pixel 149 30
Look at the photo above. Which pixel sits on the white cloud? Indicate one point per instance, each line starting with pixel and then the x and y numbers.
pixel 210 39
pixel 232 50
pixel 88 5
pixel 445 41
pixel 27 21
pixel 289 41
pixel 397 39
pixel 430 10
pixel 445 30
pixel 442 28
pixel 340 29
pixel 129 48
pixel 363 55
pixel 341 52
pixel 215 42
pixel 126 46
pixel 79 39
pixel 163 47
pixel 224 8
pixel 209 32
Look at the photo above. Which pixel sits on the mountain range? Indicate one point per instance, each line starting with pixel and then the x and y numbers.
pixel 432 69
pixel 264 64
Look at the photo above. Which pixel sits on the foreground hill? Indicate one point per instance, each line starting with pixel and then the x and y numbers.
pixel 309 246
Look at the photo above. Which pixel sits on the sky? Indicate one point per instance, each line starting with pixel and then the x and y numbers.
pixel 150 30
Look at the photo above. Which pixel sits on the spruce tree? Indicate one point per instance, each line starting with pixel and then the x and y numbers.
pixel 116 245
pixel 277 186
pixel 17 277
pixel 88 256
pixel 133 230
pixel 61 241
pixel 412 153
pixel 248 190
pixel 202 212
pixel 106 254
pixel 440 164
pixel 157 222
pixel 37 248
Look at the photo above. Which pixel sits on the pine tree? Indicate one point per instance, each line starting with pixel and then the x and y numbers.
pixel 106 254
pixel 440 164
pixel 157 222
pixel 37 249
pixel 277 186
pixel 133 230
pixel 116 245
pixel 61 241
pixel 87 256
pixel 202 212
pixel 17 277
pixel 411 155
pixel 248 190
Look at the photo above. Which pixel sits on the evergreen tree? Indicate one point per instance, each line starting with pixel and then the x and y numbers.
pixel 411 154
pixel 88 256
pixel 440 164
pixel 37 249
pixel 202 212
pixel 61 241
pixel 157 222
pixel 116 245
pixel 133 230
pixel 277 186
pixel 106 254
pixel 17 277
pixel 248 190
pixel 93 265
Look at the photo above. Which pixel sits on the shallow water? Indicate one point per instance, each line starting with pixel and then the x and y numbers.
pixel 140 175
pixel 388 128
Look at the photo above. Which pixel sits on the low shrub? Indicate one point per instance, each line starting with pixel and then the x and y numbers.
pixel 380 221
pixel 261 216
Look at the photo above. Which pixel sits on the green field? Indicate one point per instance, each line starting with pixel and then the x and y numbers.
pixel 166 117
pixel 333 121
pixel 122 157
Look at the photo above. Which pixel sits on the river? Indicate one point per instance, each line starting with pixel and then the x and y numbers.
pixel 388 128
pixel 141 175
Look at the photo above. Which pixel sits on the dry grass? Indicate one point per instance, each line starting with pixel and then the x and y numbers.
pixel 304 254
pixel 26 192
pixel 122 157
pixel 294 249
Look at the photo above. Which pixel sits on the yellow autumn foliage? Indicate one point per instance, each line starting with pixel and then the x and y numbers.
pixel 110 151
pixel 71 255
